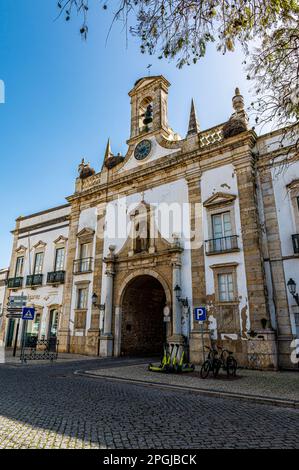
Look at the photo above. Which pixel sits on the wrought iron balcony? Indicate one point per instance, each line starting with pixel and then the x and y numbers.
pixel 295 239
pixel 222 245
pixel 56 277
pixel 34 280
pixel 83 265
pixel 15 282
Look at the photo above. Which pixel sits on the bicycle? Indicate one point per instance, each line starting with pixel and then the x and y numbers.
pixel 227 362
pixel 212 363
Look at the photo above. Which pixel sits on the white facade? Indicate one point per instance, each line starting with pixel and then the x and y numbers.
pixel 39 235
pixel 227 225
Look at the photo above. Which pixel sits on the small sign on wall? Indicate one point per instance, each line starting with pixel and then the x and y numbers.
pixel 200 313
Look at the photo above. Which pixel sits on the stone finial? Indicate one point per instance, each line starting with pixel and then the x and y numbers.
pixel 238 121
pixel 238 101
pixel 85 170
pixel 193 121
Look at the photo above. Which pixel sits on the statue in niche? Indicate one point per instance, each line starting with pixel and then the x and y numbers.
pixel 141 236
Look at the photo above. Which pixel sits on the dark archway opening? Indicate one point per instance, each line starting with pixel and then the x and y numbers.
pixel 143 330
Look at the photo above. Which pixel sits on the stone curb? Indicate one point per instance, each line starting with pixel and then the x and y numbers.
pixel 211 393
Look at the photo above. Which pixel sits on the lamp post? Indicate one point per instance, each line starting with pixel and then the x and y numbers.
pixel 101 308
pixel 292 289
pixel 178 291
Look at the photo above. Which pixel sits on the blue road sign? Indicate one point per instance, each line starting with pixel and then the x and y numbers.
pixel 200 313
pixel 28 313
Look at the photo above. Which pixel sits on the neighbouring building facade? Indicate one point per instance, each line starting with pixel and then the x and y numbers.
pixel 211 220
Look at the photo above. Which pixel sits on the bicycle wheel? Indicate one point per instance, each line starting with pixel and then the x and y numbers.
pixel 216 367
pixel 231 366
pixel 205 369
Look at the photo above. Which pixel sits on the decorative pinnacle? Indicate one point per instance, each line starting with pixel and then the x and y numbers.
pixel 194 127
pixel 108 152
pixel 238 101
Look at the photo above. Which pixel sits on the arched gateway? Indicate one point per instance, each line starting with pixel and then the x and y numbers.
pixel 143 330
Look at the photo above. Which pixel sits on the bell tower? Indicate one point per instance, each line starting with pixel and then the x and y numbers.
pixel 149 103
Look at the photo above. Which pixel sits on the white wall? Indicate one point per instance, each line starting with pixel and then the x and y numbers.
pixel 286 223
pixel 45 296
pixel 172 195
pixel 224 180
pixel 88 220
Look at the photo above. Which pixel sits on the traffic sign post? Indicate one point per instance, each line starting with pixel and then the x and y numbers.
pixel 200 315
pixel 27 315
pixel 17 301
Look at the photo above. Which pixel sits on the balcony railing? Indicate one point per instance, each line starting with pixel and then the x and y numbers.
pixel 57 277
pixel 222 245
pixel 83 265
pixel 15 282
pixel 34 280
pixel 295 239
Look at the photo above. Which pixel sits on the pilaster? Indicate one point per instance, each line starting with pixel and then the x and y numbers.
pixel 64 330
pixel 284 331
pixel 93 334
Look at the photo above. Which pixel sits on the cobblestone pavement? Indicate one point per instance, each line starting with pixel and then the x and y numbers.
pixel 50 407
pixel 281 385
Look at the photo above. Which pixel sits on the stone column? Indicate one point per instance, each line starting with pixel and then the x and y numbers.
pixel 197 263
pixel 262 351
pixel 280 297
pixel 106 342
pixel 93 334
pixel 117 331
pixel 64 330
pixel 176 305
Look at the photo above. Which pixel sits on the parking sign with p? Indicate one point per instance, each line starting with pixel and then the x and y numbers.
pixel 200 313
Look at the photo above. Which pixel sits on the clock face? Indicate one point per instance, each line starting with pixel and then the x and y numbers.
pixel 143 149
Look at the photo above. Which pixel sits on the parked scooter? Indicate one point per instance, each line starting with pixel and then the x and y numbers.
pixel 172 361
pixel 183 365
pixel 165 361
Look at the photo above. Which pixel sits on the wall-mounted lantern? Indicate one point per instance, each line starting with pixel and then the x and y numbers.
pixel 292 289
pixel 178 291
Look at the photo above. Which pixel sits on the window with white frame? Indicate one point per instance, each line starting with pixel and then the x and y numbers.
pixel 38 263
pixel 59 259
pixel 222 232
pixel 225 287
pixel 85 250
pixel 221 225
pixel 19 266
pixel 82 298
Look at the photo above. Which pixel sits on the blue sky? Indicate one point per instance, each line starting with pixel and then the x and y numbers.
pixel 65 97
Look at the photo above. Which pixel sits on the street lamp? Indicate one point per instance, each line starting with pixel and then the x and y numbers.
pixel 101 308
pixel 292 289
pixel 178 291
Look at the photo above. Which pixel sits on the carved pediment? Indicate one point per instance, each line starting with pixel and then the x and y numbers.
pixel 39 245
pixel 60 240
pixel 293 184
pixel 21 249
pixel 86 233
pixel 219 199
pixel 144 237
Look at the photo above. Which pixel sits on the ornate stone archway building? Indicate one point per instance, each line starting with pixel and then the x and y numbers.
pixel 174 224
